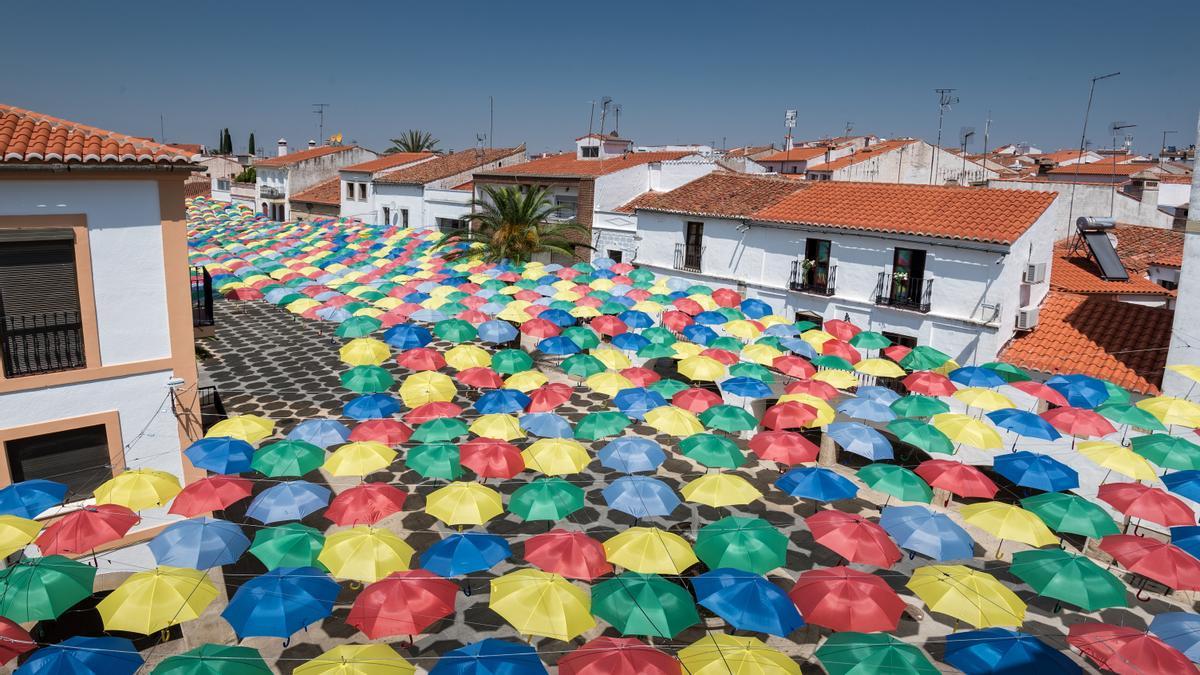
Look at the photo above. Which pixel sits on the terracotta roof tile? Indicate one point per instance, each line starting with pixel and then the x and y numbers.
pixel 392 161
pixel 749 150
pixel 302 155
pixel 468 186
pixel 1138 246
pixel 1101 168
pixel 27 137
pixel 869 152
pixel 446 166
pixel 794 155
pixel 567 165
pixel 947 212
pixel 1176 178
pixel 326 192
pixel 1117 341
pixel 728 195
pixel 1059 156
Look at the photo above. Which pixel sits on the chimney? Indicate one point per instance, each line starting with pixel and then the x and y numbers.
pixel 312 143
pixel 281 148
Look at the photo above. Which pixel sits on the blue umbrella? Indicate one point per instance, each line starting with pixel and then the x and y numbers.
pixel 464 553
pixel 281 602
pixel 496 331
pixel 799 347
pixel 630 342
pixel 870 409
pixel 292 500
pixel 221 454
pixel 502 401
pixel 1080 391
pixel 558 318
pixel 1030 469
pixel 636 319
pixel 931 534
pixel 29 498
pixel 1187 538
pixel 711 318
pixel 321 433
pixel 416 298
pixel 861 440
pixel 332 314
pixel 1024 423
pixel 79 655
pixel 882 394
pixel 746 386
pixel 1000 651
pixel 976 376
pixel 638 401
pixel 747 601
pixel 490 657
pixel 199 543
pixel 371 407
pixel 816 483
pixel 1185 483
pixel 428 315
pixel 631 454
pixel 407 336
pixel 780 330
pixel 700 334
pixel 546 425
pixel 755 308
pixel 640 496
pixel 1181 630
pixel 558 346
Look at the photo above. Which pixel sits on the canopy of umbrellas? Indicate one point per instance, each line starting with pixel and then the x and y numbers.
pixel 390 295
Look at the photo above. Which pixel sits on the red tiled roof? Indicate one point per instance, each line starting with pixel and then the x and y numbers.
pixel 302 155
pixel 727 195
pixel 749 150
pixel 945 212
pixel 326 192
pixel 27 137
pixel 1059 156
pixel 863 155
pixel 1117 341
pixel 189 148
pixel 567 165
pixel 396 159
pixel 468 186
pixel 1176 178
pixel 1138 247
pixel 1101 168
pixel 446 166
pixel 794 155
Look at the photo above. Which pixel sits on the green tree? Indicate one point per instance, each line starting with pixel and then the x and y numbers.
pixel 413 140
pixel 509 224
pixel 251 150
pixel 248 175
pixel 227 143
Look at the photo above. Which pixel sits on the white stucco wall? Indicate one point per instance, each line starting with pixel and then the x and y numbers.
pixel 1185 331
pixel 451 204
pixel 910 164
pixel 397 197
pixel 1093 200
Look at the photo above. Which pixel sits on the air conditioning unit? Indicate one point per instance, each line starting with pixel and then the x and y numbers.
pixel 1027 318
pixel 1035 273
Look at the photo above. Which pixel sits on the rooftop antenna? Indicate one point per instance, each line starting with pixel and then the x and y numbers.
pixel 479 139
pixel 319 111
pixel 1162 149
pixel 591 118
pixel 1116 128
pixel 987 126
pixel 965 134
pixel 946 98
pixel 849 128
pixel 605 101
pixel 617 119
pixel 1083 141
pixel 789 123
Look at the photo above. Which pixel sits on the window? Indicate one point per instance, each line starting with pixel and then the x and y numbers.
pixel 41 329
pixel 590 151
pixel 906 286
pixel 568 207
pixel 447 224
pixel 387 215
pixel 817 274
pixel 77 457
pixel 362 192
pixel 1168 284
pixel 222 183
pixel 616 255
pixel 693 244
pixel 404 218
pixel 902 340
pixel 350 191
pixel 811 317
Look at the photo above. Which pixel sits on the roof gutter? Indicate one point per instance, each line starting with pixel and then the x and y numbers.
pixel 24 167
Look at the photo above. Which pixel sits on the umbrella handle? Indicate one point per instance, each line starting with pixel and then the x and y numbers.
pixel 1139 595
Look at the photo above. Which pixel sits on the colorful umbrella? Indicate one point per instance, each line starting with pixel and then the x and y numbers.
pixel 1001 651
pixel 291 545
pixel 29 498
pixel 1041 472
pixel 747 601
pixel 139 489
pixel 1009 522
pixel 280 602
pixel 156 599
pixel 717 653
pixel 541 603
pixel 749 544
pixel 79 655
pixel 816 483
pixel 846 599
pixel 490 657
pixel 649 550
pixel 784 447
pixel 853 537
pixel 403 603
pixel 959 479
pixel 896 481
pixel 464 553
pixel 364 553
pixel 967 595
pixel 931 534
pixel 1071 514
pixel 546 499
pixel 720 489
pixel 86 529
pixel 292 500
pixel 214 659
pixel 644 604
pixel 640 496
pixel 347 659
pixel 1126 651
pixel 1153 504
pixel 869 653
pixel 365 504
pixel 1165 563
pixel 199 543
pixel 631 454
pixel 462 503
pixel 1069 578
pixel 36 589
pixel 573 555
pixel 617 656
pixel 220 454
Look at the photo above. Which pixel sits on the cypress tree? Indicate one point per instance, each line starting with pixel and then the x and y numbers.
pixel 251 143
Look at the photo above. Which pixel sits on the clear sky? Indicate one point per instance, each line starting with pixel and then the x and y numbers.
pixel 697 71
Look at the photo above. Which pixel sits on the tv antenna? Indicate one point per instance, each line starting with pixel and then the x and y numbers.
pixel 946 98
pixel 617 119
pixel 319 111
pixel 1116 128
pixel 965 134
pixel 605 101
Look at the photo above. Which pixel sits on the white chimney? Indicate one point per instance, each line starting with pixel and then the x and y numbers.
pixel 281 148
pixel 312 143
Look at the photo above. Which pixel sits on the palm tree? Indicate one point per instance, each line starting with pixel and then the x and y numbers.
pixel 413 140
pixel 511 224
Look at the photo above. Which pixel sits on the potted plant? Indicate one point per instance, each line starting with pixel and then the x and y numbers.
pixel 900 284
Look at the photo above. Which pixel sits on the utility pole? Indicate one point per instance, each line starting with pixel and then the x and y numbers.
pixel 987 125
pixel 1163 148
pixel 1083 145
pixel 162 129
pixel 946 98
pixel 1117 128
pixel 319 111
pixel 491 122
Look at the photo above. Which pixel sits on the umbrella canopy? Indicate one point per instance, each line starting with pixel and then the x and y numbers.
pixel 139 489
pixel 556 456
pixel 1080 391
pixel 853 537
pixel 649 550
pixel 922 435
pixel 212 493
pixel 546 499
pixel 461 503
pixel 931 534
pixel 1180 630
pixel 84 656
pixel 896 481
pixel 860 440
pixel 291 545
pixel 967 595
pixel 214 659
pixel 749 544
pixel 644 604
pixel 845 599
pixel 816 483
pixel 346 659
pixel 360 458
pixel 35 589
pixel 674 421
pixel 490 657
pixel 281 602
pixel 960 479
pixel 364 553
pixel 1030 469
pixel 220 454
pixel 83 530
pixel 14 640
pixel 1165 563
pixel 541 603
pixel 617 656
pixel 1071 513
pixel 869 653
pixel 573 555
pixel 1001 651
pixel 464 553
pixel 729 418
pixel 712 450
pixel 631 454
pixel 292 500
pixel 365 504
pixel 292 457
pixel 156 599
pixel 967 431
pixel 1024 423
pixel 1169 452
pixel 403 603
pixel 747 601
pixel 717 653
pixel 640 496
pixel 720 489
pixel 249 428
pixel 199 543
pixel 1069 578
pixel 1078 422
pixel 1153 504
pixel 29 498
pixel 784 447
pixel 1009 522
pixel 1126 651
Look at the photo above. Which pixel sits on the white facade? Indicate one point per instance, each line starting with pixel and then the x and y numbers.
pixel 913 163
pixel 277 184
pixel 1085 199
pixel 1185 347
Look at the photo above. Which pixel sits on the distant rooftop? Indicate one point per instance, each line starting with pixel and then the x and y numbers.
pixel 28 137
pixel 326 192
pixel 567 165
pixel 869 152
pixel 302 155
pixel 389 161
pixel 446 166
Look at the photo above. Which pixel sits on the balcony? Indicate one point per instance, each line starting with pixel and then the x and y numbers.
pixel 41 343
pixel 269 192
pixel 816 279
pixel 687 258
pixel 905 292
pixel 202 297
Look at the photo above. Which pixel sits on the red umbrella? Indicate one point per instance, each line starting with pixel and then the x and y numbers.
pixel 642 377
pixel 1147 503
pixel 421 358
pixel 245 293
pixel 796 366
pixel 1040 391
pixel 365 504
pixel 570 554
pixel 528 295
pixel 480 377
pixel 386 431
pixel 210 494
pixel 491 458
pixel 1078 421
pixel 784 447
pixel 897 352
pixel 15 640
pixel 789 415
pixel 846 599
pixel 837 347
pixel 929 383
pixel 83 530
pixel 609 325
pixel 402 603
pixel 621 268
pixel 549 396
pixel 723 355
pixel 695 400
pixel 842 330
pixel 1165 563
pixel 853 537
pixel 618 656
pixel 677 320
pixel 960 479
pixel 1126 650
pixel 687 306
pixel 540 328
pixel 727 297
pixel 822 390
pixel 431 411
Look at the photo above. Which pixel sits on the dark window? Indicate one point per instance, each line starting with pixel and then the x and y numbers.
pixel 1167 284
pixel 693 245
pixel 902 340
pixel 362 192
pixel 40 326
pixel 817 250
pixel 387 215
pixel 810 316
pixel 445 224
pixel 78 457
pixel 349 190
pixel 404 218
pixel 616 255
pixel 590 151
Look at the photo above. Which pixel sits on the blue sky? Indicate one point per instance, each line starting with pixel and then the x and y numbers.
pixel 695 71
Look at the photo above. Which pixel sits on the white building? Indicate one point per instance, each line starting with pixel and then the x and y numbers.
pixel 905 160
pixel 289 173
pixel 355 192
pixel 1130 196
pixel 943 266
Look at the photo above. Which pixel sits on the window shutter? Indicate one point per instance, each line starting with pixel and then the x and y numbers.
pixel 38 277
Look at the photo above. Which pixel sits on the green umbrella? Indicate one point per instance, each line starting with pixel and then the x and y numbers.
pixel 730 313
pixel 748 544
pixel 291 545
pixel 610 307
pixel 802 326
pixel 896 481
pixel 546 499
pixel 600 295
pixel 853 653
pixel 729 344
pixel 585 338
pixel 38 589
pixel 713 451
pixel 353 307
pixel 435 460
pixel 656 351
pixel 290 457
pixel 771 341
pixel 440 429
pixel 367 380
pixel 1008 371
pixel 563 305
pixel 644 604
pixel 730 418
pixel 659 335
pixel 1116 394
pixel 756 371
pixel 1063 512
pixel 869 339
pixel 494 284
pixel 213 659
pixel 667 387
pixel 583 267
pixel 831 361
pixel 289 299
pixel 921 435
pixel 357 326
pixel 1125 413
pixel 924 357
pixel 583 365
pixel 597 425
pixel 510 361
pixel 452 308
pixel 1168 452
pixel 372 296
pixel 642 274
pixel 917 405
pixel 699 289
pixel 453 296
pixel 455 330
pixel 1069 578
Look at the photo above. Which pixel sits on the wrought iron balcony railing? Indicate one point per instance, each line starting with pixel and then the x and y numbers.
pixel 41 343
pixel 817 279
pixel 904 292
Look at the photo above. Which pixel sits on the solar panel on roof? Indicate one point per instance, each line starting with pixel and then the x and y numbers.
pixel 1105 256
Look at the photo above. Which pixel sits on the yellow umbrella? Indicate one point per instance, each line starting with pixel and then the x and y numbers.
pixel 602 284
pixel 608 383
pixel 388 303
pixel 16 533
pixel 1009 522
pixel 249 428
pixel 541 603
pixel 139 489
pixel 364 553
pixel 427 387
pixel 612 357
pixel 967 595
pixel 650 550
pixel 568 296
pixel 669 419
pixel 464 503
pixel 1171 410
pixel 967 430
pixel 825 412
pixel 368 311
pixel 720 489
pixel 741 328
pixel 1119 458
pixel 374 659
pixel 947 367
pixel 879 368
pixel 461 357
pixel 702 368
pixel 584 312
pixel 774 320
pixel 359 459
pixel 705 301
pixel 1189 371
pixel 984 399
pixel 302 305
pixel 685 350
pixel 816 337
pixel 556 456
pixel 150 601
pixel 648 306
pixel 840 379
pixel 761 354
pixel 723 654
pixel 503 427
pixel 526 380
pixel 514 312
